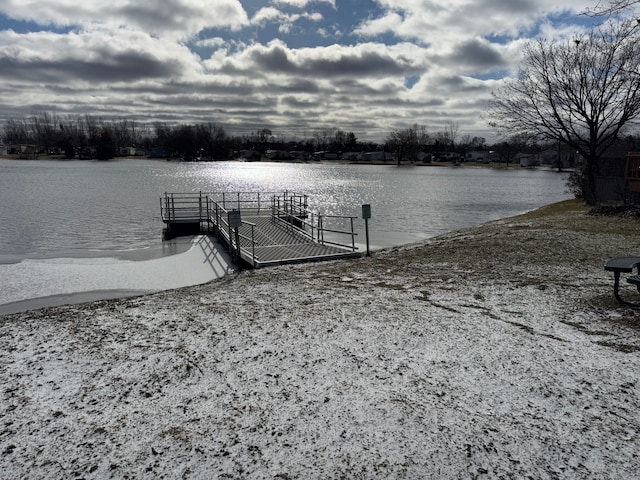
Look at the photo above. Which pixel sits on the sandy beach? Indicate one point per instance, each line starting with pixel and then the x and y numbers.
pixel 492 352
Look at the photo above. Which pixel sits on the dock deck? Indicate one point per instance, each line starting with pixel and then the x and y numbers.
pixel 272 229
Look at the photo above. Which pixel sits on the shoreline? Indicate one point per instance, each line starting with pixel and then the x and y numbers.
pixel 417 163
pixel 495 351
pixel 67 299
pixel 99 270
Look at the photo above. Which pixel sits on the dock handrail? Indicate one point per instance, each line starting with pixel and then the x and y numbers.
pixel 285 208
pixel 258 201
pixel 292 209
pixel 349 232
pixel 291 203
pixel 178 206
pixel 303 224
pixel 220 225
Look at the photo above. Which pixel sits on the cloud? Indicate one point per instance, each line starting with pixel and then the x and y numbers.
pixel 96 57
pixel 286 21
pixel 370 60
pixel 474 55
pixel 436 22
pixel 174 18
pixel 270 59
pixel 304 3
pixel 389 22
pixel 364 60
pixel 214 42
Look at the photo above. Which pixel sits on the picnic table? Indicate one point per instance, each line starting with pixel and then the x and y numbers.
pixel 623 265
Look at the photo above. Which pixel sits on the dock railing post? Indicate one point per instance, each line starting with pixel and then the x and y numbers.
pixel 166 205
pixel 353 237
pixel 217 223
pixel 208 216
pixel 253 245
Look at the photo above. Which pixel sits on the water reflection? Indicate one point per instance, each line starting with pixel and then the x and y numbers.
pixel 72 208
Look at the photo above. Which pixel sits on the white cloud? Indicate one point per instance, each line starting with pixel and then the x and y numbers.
pixel 304 3
pixel 97 72
pixel 437 22
pixel 214 42
pixel 387 23
pixel 286 21
pixel 84 54
pixel 176 18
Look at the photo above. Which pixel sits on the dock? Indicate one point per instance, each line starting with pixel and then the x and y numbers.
pixel 261 229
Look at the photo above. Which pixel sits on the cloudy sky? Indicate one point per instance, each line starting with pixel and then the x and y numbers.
pixel 294 66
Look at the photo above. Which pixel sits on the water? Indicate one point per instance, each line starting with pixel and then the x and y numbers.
pixel 59 215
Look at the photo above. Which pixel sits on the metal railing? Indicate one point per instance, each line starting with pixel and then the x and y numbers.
pixel 181 206
pixel 290 204
pixel 218 220
pixel 175 207
pixel 255 201
pixel 340 229
pixel 292 210
pixel 288 209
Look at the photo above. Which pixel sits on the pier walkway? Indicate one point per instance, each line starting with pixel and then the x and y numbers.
pixel 261 229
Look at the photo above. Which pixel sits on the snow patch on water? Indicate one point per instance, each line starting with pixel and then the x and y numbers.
pixel 33 279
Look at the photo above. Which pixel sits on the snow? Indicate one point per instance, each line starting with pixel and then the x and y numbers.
pixel 466 356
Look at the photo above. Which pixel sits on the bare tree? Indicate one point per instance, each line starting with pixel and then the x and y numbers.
pixel 422 134
pixel 451 129
pixel 578 92
pixel 404 143
pixel 508 149
pixel 449 135
pixel 613 7
pixel 15 132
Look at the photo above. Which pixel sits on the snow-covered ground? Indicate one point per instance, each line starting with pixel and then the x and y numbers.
pixel 493 352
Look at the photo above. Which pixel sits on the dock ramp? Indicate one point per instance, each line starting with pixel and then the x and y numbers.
pixel 261 229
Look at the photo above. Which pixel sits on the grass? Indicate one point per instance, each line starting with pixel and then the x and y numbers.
pixel 575 215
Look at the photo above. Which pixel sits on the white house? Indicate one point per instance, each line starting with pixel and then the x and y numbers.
pixel 479 156
pixel 127 151
pixel 528 159
pixel 376 156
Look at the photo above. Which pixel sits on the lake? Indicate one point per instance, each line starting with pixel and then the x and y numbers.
pixel 72 227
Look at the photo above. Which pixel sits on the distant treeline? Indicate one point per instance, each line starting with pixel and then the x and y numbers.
pixel 92 137
pixel 87 136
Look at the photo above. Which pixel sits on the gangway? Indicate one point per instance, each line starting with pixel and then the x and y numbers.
pixel 274 228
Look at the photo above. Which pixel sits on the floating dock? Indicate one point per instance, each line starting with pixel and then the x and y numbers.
pixel 261 229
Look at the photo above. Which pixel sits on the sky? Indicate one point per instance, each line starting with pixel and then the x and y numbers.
pixel 293 66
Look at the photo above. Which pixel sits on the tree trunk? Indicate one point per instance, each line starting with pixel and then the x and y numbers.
pixel 591 195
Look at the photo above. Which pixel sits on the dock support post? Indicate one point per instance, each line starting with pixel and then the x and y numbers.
pixel 366 214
